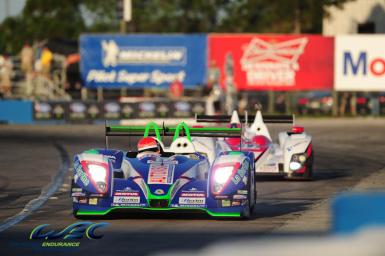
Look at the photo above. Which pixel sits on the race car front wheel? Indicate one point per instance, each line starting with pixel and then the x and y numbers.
pixel 251 196
pixel 308 175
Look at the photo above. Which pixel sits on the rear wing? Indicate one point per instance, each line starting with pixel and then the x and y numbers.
pixel 271 119
pixel 152 129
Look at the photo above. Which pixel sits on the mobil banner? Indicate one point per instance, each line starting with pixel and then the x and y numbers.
pixel 145 60
pixel 360 63
pixel 272 62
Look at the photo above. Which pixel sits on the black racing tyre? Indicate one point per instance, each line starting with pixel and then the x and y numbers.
pixel 248 212
pixel 254 192
pixel 308 175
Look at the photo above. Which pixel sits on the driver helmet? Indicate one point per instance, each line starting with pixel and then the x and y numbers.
pixel 148 144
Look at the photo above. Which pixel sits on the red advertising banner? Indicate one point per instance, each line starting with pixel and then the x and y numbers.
pixel 272 62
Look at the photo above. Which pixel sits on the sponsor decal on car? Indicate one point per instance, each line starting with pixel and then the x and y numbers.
pixel 242 192
pixel 83 177
pixel 193 194
pixel 126 189
pixel 226 203
pixel 160 173
pixel 78 194
pixel 96 195
pixel 159 191
pixel 126 200
pixel 192 201
pixel 236 179
pixel 93 201
pixel 79 173
pixel 118 193
pixel 290 148
pixel 240 173
pixel 239 196
pixel 236 203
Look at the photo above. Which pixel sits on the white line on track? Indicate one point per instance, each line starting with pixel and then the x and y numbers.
pixel 45 194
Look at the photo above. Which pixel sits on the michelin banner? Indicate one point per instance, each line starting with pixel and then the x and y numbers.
pixel 272 62
pixel 146 60
pixel 359 63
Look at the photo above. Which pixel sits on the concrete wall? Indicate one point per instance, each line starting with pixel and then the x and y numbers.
pixel 345 20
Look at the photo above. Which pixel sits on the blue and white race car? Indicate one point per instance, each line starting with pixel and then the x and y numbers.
pixel 186 176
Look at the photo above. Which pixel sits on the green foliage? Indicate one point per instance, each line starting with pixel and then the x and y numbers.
pixel 52 19
pixel 49 19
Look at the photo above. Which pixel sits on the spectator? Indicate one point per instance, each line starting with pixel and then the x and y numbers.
pixel 280 104
pixel 242 103
pixel 37 50
pixel 72 72
pixel 213 75
pixel 46 61
pixel 26 56
pixel 5 76
pixel 176 89
pixel 344 103
pixel 27 65
pixel 215 96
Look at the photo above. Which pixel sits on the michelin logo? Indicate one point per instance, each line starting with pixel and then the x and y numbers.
pixel 113 55
pixel 110 53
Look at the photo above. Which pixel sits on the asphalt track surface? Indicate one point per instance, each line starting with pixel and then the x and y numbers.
pixel 346 151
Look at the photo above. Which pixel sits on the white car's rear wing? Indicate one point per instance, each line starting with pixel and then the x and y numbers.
pixel 270 119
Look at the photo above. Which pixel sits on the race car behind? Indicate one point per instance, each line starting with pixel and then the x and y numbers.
pixel 293 155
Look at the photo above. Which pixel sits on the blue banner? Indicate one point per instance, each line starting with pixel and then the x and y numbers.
pixel 146 60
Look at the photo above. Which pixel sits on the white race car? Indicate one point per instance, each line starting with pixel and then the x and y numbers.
pixel 292 157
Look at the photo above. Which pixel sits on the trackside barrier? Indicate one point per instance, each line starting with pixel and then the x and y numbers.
pixel 354 211
pixel 16 111
pixel 91 111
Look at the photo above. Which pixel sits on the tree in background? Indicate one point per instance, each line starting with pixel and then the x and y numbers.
pixel 52 19
pixel 260 16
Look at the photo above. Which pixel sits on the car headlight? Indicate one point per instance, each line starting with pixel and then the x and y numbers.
pixel 302 158
pixel 222 174
pixel 98 173
pixel 295 166
pixel 297 161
